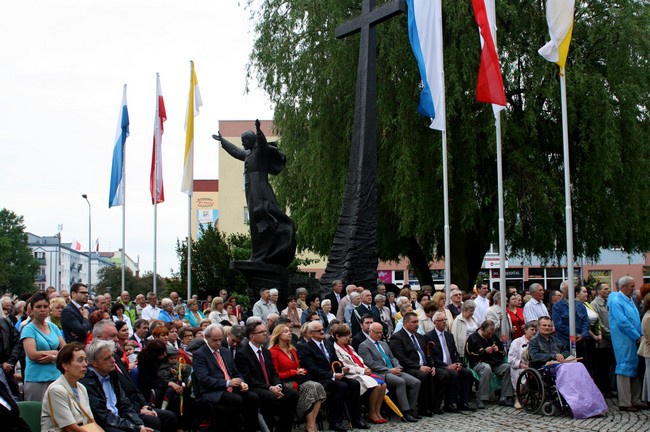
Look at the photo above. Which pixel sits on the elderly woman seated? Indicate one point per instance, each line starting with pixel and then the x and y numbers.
pixel 518 357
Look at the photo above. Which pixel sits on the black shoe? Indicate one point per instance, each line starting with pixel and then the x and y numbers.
pixel 480 404
pixel 628 408
pixel 466 407
pixel 339 427
pixel 425 413
pixel 437 411
pixel 409 418
pixel 360 424
pixel 506 402
pixel 451 409
pixel 414 415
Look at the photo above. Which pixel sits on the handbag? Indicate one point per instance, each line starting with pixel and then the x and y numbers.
pixel 91 426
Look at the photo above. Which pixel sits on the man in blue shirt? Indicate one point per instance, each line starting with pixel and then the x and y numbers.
pixel 561 321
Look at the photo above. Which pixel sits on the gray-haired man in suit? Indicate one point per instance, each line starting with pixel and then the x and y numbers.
pixel 378 357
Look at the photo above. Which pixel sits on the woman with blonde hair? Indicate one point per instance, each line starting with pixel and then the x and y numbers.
pixel 358 371
pixel 193 314
pixel 218 313
pixel 56 307
pixel 285 360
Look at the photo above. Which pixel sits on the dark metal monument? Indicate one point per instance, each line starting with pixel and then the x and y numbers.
pixel 353 257
pixel 273 233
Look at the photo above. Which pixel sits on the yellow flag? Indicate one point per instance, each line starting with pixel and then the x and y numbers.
pixel 559 16
pixel 194 103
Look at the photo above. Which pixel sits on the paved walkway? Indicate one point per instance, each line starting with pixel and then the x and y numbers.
pixel 497 418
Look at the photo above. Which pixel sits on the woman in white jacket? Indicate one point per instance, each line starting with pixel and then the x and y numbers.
pixel 358 371
pixel 464 325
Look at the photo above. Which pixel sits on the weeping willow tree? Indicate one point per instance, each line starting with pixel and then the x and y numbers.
pixel 310 78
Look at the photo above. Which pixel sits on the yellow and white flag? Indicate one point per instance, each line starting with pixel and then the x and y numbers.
pixel 194 103
pixel 559 16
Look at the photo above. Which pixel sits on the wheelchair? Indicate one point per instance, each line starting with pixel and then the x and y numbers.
pixel 537 392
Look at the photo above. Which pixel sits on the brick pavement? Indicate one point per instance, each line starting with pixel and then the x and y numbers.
pixel 496 419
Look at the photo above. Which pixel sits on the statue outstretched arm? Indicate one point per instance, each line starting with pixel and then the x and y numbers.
pixel 229 147
pixel 261 139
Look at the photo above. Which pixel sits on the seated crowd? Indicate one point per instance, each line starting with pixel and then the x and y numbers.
pixel 153 366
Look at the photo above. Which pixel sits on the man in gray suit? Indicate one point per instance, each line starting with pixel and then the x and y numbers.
pixel 378 357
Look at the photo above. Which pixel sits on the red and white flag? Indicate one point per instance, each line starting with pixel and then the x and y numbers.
pixel 75 245
pixel 489 87
pixel 96 245
pixel 156 179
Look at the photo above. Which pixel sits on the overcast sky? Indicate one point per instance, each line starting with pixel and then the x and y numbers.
pixel 62 67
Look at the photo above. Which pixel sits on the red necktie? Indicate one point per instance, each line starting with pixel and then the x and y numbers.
pixel 261 358
pixel 223 368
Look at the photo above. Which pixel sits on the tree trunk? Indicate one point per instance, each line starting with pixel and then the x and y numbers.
pixel 419 260
pixel 467 252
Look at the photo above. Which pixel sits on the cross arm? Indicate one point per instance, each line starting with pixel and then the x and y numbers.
pixel 371 18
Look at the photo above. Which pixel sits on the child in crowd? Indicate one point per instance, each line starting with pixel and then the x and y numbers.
pixel 176 373
pixel 131 352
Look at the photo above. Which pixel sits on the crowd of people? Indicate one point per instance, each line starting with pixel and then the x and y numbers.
pixel 146 365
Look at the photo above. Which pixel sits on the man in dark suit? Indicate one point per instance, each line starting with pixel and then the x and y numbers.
pixel 234 340
pixel 367 308
pixel 9 411
pixel 376 354
pixel 317 357
pixel 360 337
pixel 154 418
pixel 74 317
pixel 335 296
pixel 220 382
pixel 448 362
pixel 409 347
pixel 11 350
pixel 255 363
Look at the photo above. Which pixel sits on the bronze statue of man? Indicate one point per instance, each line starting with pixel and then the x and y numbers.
pixel 273 233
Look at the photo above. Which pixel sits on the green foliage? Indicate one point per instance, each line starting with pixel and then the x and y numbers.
pixel 110 281
pixel 211 256
pixel 310 77
pixel 17 264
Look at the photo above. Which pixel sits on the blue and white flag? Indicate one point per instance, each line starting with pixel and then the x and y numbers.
pixel 116 194
pixel 425 33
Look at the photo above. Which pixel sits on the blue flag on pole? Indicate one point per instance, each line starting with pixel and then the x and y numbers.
pixel 116 195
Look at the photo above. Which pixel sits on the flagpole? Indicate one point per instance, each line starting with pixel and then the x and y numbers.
pixel 445 187
pixel 123 218
pixel 502 232
pixel 568 214
pixel 155 193
pixel 189 246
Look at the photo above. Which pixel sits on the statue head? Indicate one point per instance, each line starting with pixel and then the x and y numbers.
pixel 248 139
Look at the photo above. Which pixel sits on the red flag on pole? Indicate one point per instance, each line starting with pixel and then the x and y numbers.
pixel 156 180
pixel 489 87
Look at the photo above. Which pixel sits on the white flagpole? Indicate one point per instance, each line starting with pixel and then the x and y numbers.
pixel 568 215
pixel 155 191
pixel 123 218
pixel 189 246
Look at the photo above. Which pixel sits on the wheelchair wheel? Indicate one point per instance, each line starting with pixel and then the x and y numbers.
pixel 549 408
pixel 530 390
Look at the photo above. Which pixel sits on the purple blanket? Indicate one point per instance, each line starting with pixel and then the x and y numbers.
pixel 579 391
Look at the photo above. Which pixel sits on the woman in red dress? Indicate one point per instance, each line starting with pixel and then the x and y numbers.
pixel 285 360
pixel 515 315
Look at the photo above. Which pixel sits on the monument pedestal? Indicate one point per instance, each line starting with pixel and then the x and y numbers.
pixel 260 275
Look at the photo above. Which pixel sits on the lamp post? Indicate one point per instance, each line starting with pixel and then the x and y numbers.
pixel 84 196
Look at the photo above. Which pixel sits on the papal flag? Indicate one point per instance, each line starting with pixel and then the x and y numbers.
pixel 194 103
pixel 559 16
pixel 116 193
pixel 156 179
pixel 425 34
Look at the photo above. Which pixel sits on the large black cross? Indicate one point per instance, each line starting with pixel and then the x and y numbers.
pixel 353 257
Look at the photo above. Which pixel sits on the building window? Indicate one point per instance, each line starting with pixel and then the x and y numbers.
pixel 246 216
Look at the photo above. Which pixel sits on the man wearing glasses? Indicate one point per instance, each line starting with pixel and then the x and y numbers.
pixel 255 363
pixel 74 317
pixel 376 354
pixel 448 362
pixel 317 356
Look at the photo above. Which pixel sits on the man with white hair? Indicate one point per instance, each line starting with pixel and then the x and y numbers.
pixel 625 327
pixel 535 307
pixel 345 301
pixel 376 354
pixel 263 307
pixel 151 311
pixel 456 302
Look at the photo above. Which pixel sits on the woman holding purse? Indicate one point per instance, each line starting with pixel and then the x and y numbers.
pixel 66 406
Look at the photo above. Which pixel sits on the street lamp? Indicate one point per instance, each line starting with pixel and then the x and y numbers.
pixel 84 196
